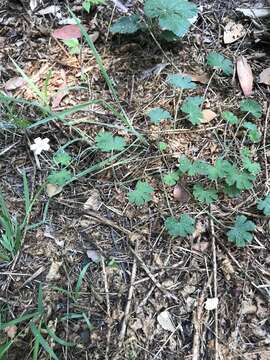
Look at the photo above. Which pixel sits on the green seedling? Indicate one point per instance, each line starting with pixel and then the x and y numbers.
pixel 264 205
pixel 253 132
pixel 192 107
pixel 181 82
pixel 241 232
pixel 251 107
pixel 253 167
pixel 172 17
pixel 172 178
pixel 87 4
pixel 107 142
pixel 60 178
pixel 205 196
pixel 230 117
pixel 157 114
pixel 162 146
pixel 73 45
pixel 219 62
pixel 61 157
pixel 183 226
pixel 142 193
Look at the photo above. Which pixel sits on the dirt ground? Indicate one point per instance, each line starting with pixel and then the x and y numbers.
pixel 137 273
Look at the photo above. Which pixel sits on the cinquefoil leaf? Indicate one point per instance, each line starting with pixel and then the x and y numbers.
pixel 142 193
pixel 218 61
pixel 182 226
pixel 241 232
pixel 106 142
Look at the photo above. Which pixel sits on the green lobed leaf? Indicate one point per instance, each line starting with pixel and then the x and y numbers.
pixel 218 61
pixel 206 196
pixel 172 15
pixel 264 205
pixel 230 117
pixel 59 178
pixel 181 82
pixel 253 132
pixel 142 193
pixel 231 191
pixel 73 45
pixel 241 179
pixel 253 167
pixel 61 157
pixel 157 114
pixel 219 170
pixel 182 226
pixel 191 107
pixel 251 107
pixel 172 178
pixel 126 25
pixel 241 232
pixel 162 146
pixel 106 142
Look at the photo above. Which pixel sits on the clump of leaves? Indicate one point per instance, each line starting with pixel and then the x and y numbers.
pixel 162 146
pixel 242 180
pixel 172 178
pixel 251 107
pixel 61 157
pixel 157 114
pixel 253 167
pixel 264 205
pixel 183 226
pixel 107 142
pixel 218 61
pixel 142 193
pixel 241 232
pixel 186 166
pixel 181 82
pixel 87 4
pixel 191 107
pixel 230 117
pixel 253 131
pixel 73 46
pixel 59 178
pixel 206 196
pixel 173 17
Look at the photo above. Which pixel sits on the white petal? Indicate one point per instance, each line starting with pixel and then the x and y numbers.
pixel 211 304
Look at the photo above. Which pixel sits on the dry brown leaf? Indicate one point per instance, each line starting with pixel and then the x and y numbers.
pixel 164 320
pixel 180 194
pixel 201 246
pixel 208 115
pixel 53 273
pixel 245 75
pixel 53 190
pixel 11 331
pixel 233 32
pixel 264 77
pixel 201 78
pixel 94 201
pixel 67 32
pixel 14 83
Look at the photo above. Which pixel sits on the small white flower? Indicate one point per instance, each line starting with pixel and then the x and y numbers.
pixel 211 304
pixel 40 145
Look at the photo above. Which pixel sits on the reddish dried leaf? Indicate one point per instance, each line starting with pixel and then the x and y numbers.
pixel 14 83
pixel 59 96
pixel 208 115
pixel 67 32
pixel 245 76
pixel 264 77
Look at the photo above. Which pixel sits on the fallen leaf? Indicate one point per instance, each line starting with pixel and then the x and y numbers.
pixel 14 83
pixel 199 230
pixel 67 32
pixel 201 246
pixel 53 190
pixel 53 273
pixel 233 32
pixel 11 331
pixel 94 201
pixel 254 12
pixel 227 268
pixel 61 93
pixel 247 308
pixel 52 9
pixel 245 76
pixel 211 304
pixel 164 320
pixel 93 255
pixel 199 77
pixel 264 77
pixel 208 115
pixel 180 193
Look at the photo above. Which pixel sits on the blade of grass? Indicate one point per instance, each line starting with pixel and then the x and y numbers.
pixel 80 280
pixel 42 341
pixel 57 339
pixel 19 320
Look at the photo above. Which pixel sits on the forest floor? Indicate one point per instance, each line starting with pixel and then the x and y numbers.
pixel 95 276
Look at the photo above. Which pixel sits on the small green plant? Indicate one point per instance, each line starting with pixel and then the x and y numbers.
pixel 73 45
pixel 142 193
pixel 230 117
pixel 206 196
pixel 253 167
pixel 181 82
pixel 107 142
pixel 241 232
pixel 59 178
pixel 253 132
pixel 162 146
pixel 219 62
pixel 13 230
pixel 264 205
pixel 183 226
pixel 251 107
pixel 87 4
pixel 186 166
pixel 191 107
pixel 61 157
pixel 173 17
pixel 157 114
pixel 172 178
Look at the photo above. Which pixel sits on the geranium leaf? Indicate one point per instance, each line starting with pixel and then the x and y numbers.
pixel 126 25
pixel 59 178
pixel 106 142
pixel 191 107
pixel 230 117
pixel 181 82
pixel 218 61
pixel 182 226
pixel 157 114
pixel 241 232
pixel 251 107
pixel 142 193
pixel 206 196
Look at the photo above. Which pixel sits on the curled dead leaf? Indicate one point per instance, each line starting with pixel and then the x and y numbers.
pixel 164 320
pixel 67 32
pixel 264 77
pixel 233 32
pixel 53 273
pixel 245 75
pixel 199 77
pixel 14 83
pixel 53 190
pixel 208 115
pixel 180 193
pixel 94 201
